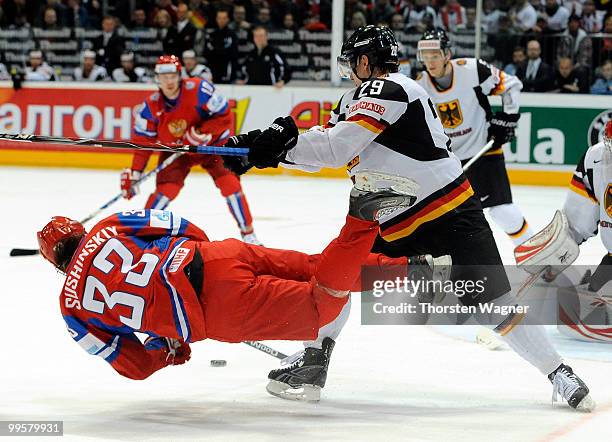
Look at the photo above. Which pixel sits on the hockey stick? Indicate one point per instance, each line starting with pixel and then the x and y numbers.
pixel 113 200
pixel 480 153
pixel 264 348
pixel 117 144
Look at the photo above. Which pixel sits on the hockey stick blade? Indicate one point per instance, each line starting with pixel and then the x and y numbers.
pixel 264 348
pixel 23 252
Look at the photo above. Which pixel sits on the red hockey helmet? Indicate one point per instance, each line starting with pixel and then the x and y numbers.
pixel 168 64
pixel 607 135
pixel 55 236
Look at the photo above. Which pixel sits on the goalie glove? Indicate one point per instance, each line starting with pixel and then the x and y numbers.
pixel 177 352
pixel 269 148
pixel 129 183
pixel 502 127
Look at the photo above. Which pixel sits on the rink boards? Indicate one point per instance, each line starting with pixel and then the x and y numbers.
pixel 553 133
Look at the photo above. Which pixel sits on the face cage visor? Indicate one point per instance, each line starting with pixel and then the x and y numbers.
pixel 428 45
pixel 345 67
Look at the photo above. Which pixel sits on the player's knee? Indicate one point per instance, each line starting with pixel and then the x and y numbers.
pixel 228 184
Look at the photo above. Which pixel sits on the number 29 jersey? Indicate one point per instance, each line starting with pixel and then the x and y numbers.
pixel 127 275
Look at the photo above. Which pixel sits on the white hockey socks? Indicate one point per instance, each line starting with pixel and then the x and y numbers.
pixel 510 218
pixel 333 329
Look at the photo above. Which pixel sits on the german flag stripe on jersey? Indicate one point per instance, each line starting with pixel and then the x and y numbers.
pixel 434 206
pixel 577 186
pixel 369 123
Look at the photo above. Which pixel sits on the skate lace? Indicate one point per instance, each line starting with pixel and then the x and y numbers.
pixel 565 384
pixel 291 359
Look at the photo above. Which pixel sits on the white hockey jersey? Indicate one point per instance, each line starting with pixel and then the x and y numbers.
pixel 44 72
pixel 139 75
pixel 390 125
pixel 98 73
pixel 464 108
pixel 588 203
pixel 199 71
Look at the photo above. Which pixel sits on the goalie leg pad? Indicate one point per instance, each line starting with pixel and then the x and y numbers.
pixel 552 248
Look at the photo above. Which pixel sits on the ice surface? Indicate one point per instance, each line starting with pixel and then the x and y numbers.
pixel 386 382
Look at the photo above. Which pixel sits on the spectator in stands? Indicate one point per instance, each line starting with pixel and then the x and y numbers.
pixel 453 16
pixel 50 21
pixel 536 75
pixel 519 59
pixel 264 65
pixel 570 79
pixel 165 5
pixel 290 24
pixel 397 22
pixel 89 70
pixel 77 15
pixel 125 10
pixel 193 68
pixel 602 47
pixel 240 21
pixel 129 72
pixel 264 19
pixel 556 16
pixel 109 46
pixel 382 11
pixel 60 13
pixel 16 13
pixel 490 17
pixel 524 16
pixel 421 17
pixel 603 83
pixel 221 49
pixel 139 20
pixel 358 19
pixel 38 69
pixel 180 37
pixel 579 46
pixel 280 8
pixel 591 20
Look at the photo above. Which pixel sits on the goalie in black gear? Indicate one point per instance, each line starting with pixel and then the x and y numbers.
pixel 459 90
pixel 389 125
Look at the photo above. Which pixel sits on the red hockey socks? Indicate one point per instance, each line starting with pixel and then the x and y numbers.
pixel 342 259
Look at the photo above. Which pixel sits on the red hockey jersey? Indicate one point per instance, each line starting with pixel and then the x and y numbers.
pixel 127 276
pixel 199 104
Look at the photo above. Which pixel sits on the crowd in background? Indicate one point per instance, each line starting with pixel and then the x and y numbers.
pixel 552 45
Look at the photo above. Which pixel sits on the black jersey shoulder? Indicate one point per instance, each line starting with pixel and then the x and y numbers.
pixel 383 89
pixel 484 70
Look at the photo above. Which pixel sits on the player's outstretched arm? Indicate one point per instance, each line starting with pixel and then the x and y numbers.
pixel 125 353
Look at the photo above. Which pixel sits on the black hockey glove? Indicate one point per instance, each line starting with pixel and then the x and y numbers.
pixel 240 165
pixel 502 128
pixel 272 145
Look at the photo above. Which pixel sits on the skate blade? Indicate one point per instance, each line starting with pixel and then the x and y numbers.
pixel 587 404
pixel 371 181
pixel 308 393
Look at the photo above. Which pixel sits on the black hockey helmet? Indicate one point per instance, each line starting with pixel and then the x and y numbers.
pixel 433 39
pixel 376 42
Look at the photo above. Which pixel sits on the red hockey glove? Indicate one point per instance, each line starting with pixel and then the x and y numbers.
pixel 177 352
pixel 194 137
pixel 128 179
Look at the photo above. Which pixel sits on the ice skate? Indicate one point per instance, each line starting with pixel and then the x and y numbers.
pixel 376 195
pixel 571 388
pixel 251 238
pixel 304 379
pixel 428 268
